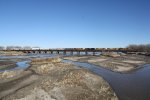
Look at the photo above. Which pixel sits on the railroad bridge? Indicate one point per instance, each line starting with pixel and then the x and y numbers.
pixel 71 51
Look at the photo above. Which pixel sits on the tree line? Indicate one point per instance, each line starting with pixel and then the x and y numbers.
pixel 140 48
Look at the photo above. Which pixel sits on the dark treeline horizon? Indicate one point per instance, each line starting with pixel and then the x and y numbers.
pixel 136 47
pixel 139 47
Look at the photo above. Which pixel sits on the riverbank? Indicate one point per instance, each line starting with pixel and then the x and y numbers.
pixel 121 63
pixel 5 64
pixel 11 53
pixel 54 80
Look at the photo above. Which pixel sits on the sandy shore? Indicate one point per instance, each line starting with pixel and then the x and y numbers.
pixel 55 81
pixel 123 63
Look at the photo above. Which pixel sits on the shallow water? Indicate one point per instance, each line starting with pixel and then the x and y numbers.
pixel 24 64
pixel 19 65
pixel 130 86
pixel 134 85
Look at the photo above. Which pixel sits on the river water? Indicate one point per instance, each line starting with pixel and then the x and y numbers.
pixel 130 86
pixel 25 63
pixel 134 85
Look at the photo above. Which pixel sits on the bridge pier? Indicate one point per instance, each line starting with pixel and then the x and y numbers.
pixel 64 53
pixel 57 52
pixel 71 52
pixel 78 53
pixel 39 51
pixel 93 53
pixel 86 53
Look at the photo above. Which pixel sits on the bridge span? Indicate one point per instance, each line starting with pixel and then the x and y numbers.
pixel 72 51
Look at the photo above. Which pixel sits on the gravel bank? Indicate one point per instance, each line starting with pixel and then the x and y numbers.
pixel 122 63
pixel 57 81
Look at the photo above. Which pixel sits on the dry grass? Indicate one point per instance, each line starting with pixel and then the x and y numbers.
pixel 11 53
pixel 79 84
pixel 9 74
pixel 62 81
pixel 45 69
pixel 110 54
pixel 45 61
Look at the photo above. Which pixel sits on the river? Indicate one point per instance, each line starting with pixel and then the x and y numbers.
pixel 134 85
pixel 127 86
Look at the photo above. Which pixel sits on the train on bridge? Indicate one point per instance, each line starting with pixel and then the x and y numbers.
pixel 71 50
pixel 38 48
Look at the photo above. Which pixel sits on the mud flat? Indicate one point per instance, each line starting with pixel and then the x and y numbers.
pixel 6 64
pixel 122 63
pixel 55 80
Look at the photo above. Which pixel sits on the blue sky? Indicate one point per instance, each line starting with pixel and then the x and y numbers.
pixel 74 23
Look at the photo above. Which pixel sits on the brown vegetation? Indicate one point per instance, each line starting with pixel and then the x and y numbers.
pixel 11 53
pixel 9 74
pixel 57 81
pixel 140 48
pixel 45 61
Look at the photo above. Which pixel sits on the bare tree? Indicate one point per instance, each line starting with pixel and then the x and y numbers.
pixel 140 48
pixel 147 49
pixel 132 47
